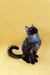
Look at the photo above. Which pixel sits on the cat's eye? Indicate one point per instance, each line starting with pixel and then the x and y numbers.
pixel 31 29
pixel 35 30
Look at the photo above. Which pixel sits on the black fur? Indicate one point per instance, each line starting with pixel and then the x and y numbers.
pixel 11 54
pixel 29 47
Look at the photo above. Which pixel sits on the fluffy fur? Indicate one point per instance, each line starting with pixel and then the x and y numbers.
pixel 30 46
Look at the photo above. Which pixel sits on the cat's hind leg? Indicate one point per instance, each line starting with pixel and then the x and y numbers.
pixel 35 58
pixel 25 58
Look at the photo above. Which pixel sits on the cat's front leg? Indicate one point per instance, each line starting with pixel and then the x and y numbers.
pixel 31 57
pixel 34 53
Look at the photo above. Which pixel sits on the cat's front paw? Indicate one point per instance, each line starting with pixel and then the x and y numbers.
pixel 32 62
pixel 36 60
pixel 37 56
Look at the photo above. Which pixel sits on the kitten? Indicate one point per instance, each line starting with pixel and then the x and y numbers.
pixel 30 46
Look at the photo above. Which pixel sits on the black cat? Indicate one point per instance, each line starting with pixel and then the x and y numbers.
pixel 29 47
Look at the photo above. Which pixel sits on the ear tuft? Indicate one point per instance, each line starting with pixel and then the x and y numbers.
pixel 26 28
pixel 32 26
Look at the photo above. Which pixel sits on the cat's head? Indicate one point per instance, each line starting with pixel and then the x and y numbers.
pixel 31 30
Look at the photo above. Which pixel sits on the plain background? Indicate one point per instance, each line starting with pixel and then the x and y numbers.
pixel 14 16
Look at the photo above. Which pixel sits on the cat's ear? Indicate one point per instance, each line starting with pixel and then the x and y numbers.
pixel 26 28
pixel 32 26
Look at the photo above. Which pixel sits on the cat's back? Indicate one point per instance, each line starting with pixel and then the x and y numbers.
pixel 25 42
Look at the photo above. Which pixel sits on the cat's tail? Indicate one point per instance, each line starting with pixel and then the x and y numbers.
pixel 11 54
